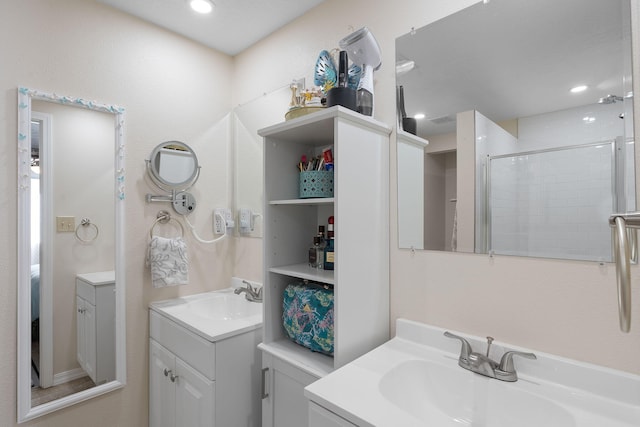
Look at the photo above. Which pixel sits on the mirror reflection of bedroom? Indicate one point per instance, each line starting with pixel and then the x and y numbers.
pixel 41 392
pixel 50 381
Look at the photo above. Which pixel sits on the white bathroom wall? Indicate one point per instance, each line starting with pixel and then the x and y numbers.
pixel 562 307
pixel 576 126
pixel 171 88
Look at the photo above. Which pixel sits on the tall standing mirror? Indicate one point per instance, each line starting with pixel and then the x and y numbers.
pixel 71 288
pixel 528 112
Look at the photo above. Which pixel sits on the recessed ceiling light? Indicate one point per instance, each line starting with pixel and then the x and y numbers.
pixel 578 89
pixel 419 116
pixel 201 6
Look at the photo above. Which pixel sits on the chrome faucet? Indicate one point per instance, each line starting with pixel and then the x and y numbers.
pixel 482 364
pixel 251 294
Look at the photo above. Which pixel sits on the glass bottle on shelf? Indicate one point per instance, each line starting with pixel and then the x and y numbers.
pixel 316 252
pixel 329 248
pixel 329 254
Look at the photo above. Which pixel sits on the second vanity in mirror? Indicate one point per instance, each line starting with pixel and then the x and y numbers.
pixel 521 159
pixel 71 325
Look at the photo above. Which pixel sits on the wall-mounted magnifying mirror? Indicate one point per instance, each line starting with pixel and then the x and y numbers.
pixel 527 107
pixel 71 307
pixel 173 165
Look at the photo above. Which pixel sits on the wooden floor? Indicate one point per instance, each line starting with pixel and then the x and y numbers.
pixel 44 395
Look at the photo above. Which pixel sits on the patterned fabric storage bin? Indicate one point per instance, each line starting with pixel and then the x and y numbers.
pixel 307 315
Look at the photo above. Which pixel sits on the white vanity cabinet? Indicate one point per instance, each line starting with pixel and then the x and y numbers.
pixel 197 380
pixel 360 208
pixel 321 417
pixel 283 400
pixel 178 394
pixel 95 325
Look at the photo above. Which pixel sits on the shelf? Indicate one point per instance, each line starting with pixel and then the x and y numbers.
pixel 318 128
pixel 303 271
pixel 316 364
pixel 309 202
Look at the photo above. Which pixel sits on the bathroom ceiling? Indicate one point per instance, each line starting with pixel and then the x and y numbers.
pixel 233 26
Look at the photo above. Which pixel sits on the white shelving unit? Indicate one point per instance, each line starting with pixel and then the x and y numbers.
pixel 360 207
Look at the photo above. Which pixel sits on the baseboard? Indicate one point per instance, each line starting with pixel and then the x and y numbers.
pixel 65 377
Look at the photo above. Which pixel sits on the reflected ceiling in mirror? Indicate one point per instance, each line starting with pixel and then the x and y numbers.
pixel 70 251
pixel 513 58
pixel 514 63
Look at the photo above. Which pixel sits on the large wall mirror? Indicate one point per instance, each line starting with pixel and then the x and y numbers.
pixel 247 118
pixel 71 288
pixel 528 112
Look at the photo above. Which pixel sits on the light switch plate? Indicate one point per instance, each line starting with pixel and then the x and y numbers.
pixel 65 224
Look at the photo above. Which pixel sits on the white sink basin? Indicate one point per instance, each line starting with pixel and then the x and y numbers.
pixel 443 396
pixel 414 380
pixel 213 315
pixel 222 306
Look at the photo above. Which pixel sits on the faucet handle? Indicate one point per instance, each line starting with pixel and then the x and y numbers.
pixel 249 287
pixel 465 350
pixel 506 363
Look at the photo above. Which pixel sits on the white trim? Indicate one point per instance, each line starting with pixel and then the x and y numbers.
pixel 25 411
pixel 46 246
pixel 65 377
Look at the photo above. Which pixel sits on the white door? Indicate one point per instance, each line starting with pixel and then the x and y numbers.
pixel 195 397
pixel 162 396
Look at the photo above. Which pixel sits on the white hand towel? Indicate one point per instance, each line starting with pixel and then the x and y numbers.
pixel 168 261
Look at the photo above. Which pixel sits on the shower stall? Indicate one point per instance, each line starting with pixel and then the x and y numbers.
pixel 555 203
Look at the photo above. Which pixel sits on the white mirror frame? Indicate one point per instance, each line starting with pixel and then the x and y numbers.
pixel 25 411
pixel 162 183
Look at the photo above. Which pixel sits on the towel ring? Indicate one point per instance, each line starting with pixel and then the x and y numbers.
pixel 86 222
pixel 164 217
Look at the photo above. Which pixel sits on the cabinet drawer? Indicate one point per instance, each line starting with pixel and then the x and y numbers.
pixel 320 417
pixel 86 291
pixel 189 347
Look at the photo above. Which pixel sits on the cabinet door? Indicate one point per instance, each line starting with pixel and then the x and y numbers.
pixel 320 417
pixel 286 405
pixel 85 336
pixel 162 396
pixel 89 316
pixel 195 394
pixel 80 333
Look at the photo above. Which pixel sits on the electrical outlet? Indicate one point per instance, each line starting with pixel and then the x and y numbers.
pixel 222 220
pixel 228 217
pixel 219 221
pixel 245 217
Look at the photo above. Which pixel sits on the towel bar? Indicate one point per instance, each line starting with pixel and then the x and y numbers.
pixel 623 256
pixel 164 217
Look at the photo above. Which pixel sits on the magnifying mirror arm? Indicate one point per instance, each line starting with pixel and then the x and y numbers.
pixel 153 198
pixel 183 203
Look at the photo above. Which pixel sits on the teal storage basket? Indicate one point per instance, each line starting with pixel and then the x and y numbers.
pixel 307 316
pixel 316 184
